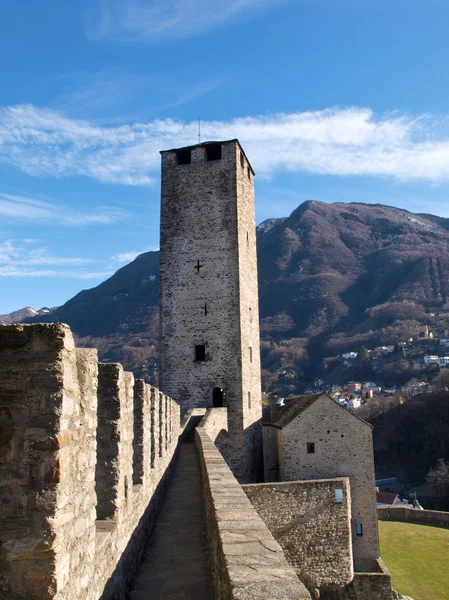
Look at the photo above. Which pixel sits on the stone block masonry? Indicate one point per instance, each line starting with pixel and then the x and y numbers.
pixel 209 317
pixel 246 561
pixel 85 455
pixel 312 527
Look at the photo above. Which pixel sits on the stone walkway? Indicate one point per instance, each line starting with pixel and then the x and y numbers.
pixel 175 566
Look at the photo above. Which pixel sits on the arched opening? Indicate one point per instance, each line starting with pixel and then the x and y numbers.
pixel 217 398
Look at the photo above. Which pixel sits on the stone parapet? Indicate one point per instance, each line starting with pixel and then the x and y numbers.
pixel 311 520
pixel 374 586
pixel 214 422
pixel 57 541
pixel 246 561
pixel 408 514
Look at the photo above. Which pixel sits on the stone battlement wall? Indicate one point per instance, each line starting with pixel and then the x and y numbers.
pixel 312 528
pixel 246 561
pixel 85 455
pixel 408 514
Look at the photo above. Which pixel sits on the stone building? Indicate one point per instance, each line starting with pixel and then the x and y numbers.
pixel 209 317
pixel 315 438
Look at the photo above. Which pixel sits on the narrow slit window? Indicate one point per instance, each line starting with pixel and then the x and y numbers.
pixel 249 399
pixel 250 354
pixel 200 352
pixel 205 309
pixel 242 160
pixel 311 448
pixel 249 173
pixel 358 529
pixel 213 152
pixel 184 157
pixel 250 315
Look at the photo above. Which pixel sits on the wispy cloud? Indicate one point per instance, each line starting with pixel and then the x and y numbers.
pixel 143 20
pixel 22 207
pixel 338 141
pixel 107 93
pixel 24 258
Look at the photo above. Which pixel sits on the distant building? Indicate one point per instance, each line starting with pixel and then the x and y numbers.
pixel 389 499
pixel 354 386
pixel 353 403
pixel 443 361
pixel 350 355
pixel 430 359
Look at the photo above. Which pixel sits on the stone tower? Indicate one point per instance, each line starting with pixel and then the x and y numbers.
pixel 209 315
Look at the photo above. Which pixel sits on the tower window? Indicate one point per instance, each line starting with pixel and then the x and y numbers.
pixel 184 157
pixel 250 315
pixel 242 159
pixel 213 152
pixel 249 173
pixel 358 529
pixel 250 354
pixel 200 352
pixel 338 495
pixel 249 399
pixel 310 448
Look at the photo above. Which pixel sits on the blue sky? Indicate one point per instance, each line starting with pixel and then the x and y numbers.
pixel 332 100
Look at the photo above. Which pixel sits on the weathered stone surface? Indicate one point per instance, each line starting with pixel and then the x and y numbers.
pixel 207 221
pixel 313 530
pixel 52 544
pixel 246 561
pixel 342 447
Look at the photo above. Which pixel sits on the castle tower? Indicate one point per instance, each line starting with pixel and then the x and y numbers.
pixel 210 354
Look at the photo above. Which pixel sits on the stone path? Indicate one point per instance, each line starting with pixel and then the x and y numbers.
pixel 175 566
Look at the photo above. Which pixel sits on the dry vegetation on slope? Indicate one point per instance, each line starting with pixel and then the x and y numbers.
pixel 331 277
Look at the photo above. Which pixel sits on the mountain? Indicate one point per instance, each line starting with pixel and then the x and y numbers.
pixel 332 277
pixel 24 313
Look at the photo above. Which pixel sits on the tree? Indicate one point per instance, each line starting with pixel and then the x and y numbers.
pixel 363 354
pixel 438 476
pixel 442 379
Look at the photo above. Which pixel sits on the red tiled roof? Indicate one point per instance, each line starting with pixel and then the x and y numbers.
pixel 387 497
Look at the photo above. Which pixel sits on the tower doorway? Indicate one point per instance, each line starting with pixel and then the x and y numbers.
pixel 217 398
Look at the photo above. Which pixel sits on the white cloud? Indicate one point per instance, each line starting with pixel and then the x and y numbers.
pixel 22 207
pixel 339 141
pixel 23 258
pixel 143 20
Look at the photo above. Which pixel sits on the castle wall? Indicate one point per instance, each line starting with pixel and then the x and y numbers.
pixel 246 561
pixel 408 514
pixel 342 447
pixel 209 294
pixel 374 586
pixel 312 528
pixel 54 544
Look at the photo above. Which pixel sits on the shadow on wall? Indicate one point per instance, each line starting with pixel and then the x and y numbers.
pixel 127 567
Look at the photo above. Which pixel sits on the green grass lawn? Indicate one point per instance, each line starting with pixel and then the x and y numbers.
pixel 417 557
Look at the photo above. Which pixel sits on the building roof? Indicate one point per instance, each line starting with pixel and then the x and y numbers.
pixel 387 497
pixel 203 144
pixel 296 406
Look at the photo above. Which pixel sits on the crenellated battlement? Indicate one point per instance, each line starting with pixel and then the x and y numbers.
pixel 85 454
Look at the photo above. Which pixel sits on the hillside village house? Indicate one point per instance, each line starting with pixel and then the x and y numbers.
pixel 354 386
pixel 433 359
